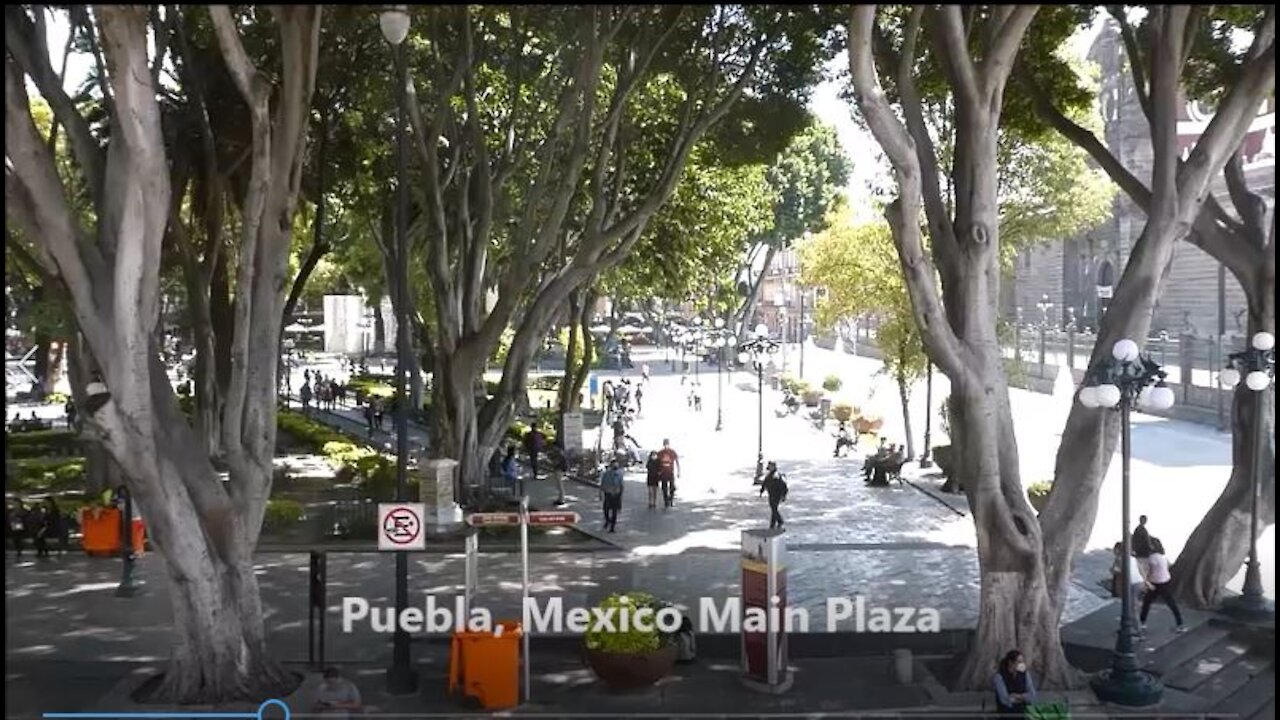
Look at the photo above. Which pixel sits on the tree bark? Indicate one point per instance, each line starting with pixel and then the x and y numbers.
pixel 1174 203
pixel 568 400
pixel 904 396
pixel 745 328
pixel 959 328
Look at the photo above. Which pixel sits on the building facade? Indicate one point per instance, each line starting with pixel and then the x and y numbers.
pixel 1071 280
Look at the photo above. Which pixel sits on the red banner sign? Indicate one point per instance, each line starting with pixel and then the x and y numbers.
pixel 497 518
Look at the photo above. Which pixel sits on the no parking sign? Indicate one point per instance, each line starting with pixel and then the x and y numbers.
pixel 400 526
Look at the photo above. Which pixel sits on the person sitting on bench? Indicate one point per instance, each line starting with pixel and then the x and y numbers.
pixel 869 464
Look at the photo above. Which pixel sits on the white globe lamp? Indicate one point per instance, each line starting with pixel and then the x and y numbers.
pixel 1263 341
pixel 1088 396
pixel 1125 350
pixel 1257 380
pixel 394 20
pixel 1160 397
pixel 1108 396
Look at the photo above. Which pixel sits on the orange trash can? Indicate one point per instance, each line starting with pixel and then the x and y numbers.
pixel 486 665
pixel 100 528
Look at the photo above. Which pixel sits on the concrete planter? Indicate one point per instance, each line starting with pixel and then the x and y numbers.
pixel 632 671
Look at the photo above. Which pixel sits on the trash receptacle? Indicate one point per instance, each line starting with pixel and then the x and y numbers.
pixel 486 665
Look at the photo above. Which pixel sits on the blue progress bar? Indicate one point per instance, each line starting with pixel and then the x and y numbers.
pixel 259 715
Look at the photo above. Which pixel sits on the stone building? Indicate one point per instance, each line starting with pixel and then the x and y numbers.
pixel 1074 278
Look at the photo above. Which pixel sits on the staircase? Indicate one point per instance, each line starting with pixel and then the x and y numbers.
pixel 1216 669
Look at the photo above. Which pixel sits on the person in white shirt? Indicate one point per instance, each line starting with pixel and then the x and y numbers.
pixel 1157 584
pixel 1136 581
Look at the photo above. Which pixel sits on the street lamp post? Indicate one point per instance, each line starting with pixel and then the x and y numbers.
pixel 128 587
pixel 1122 382
pixel 724 338
pixel 695 344
pixel 925 461
pixel 755 351
pixel 1257 366
pixel 394 21
pixel 1045 308
pixel 1017 334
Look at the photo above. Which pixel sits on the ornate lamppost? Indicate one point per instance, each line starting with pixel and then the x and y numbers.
pixel 1045 307
pixel 756 351
pixel 721 338
pixel 394 21
pixel 1257 366
pixel 1121 382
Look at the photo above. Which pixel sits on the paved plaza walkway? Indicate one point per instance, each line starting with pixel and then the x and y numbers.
pixel 906 545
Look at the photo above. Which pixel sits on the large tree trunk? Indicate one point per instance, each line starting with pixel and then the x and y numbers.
pixel 583 328
pixel 753 296
pixel 1220 543
pixel 959 328
pixel 568 399
pixel 1175 199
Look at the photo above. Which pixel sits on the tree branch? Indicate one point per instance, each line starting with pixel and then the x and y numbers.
pixel 1136 63
pixel 953 51
pixel 28 47
pixel 998 60
pixel 945 348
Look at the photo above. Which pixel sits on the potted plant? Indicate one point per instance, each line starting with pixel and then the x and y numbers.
pixel 1038 494
pixel 630 659
pixel 843 412
pixel 832 383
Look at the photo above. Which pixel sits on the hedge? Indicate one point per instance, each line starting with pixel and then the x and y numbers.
pixel 41 443
pixel 46 473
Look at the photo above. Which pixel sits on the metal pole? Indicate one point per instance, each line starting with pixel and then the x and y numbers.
pixel 127 587
pixel 720 389
pixel 1125 683
pixel 802 333
pixel 925 462
pixel 524 594
pixel 1252 591
pixel 400 676
pixel 760 420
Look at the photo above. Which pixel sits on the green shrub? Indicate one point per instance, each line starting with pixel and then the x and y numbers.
pixel 57 398
pixel 46 473
pixel 550 383
pixel 630 641
pixel 306 432
pixel 369 386
pixel 41 443
pixel 832 383
pixel 282 513
pixel 1038 494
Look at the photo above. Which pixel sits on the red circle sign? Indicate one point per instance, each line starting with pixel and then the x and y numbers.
pixel 401 526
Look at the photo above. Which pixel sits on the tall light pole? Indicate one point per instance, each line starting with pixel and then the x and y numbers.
pixel 1257 366
pixel 756 351
pixel 1045 308
pixel 1119 383
pixel 724 338
pixel 925 461
pixel 394 21
pixel 695 344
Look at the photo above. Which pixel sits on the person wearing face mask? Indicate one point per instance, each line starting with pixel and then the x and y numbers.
pixel 1013 685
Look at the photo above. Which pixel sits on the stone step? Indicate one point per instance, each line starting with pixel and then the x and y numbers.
pixel 1182 648
pixel 1248 698
pixel 1267 712
pixel 1234 676
pixel 1195 671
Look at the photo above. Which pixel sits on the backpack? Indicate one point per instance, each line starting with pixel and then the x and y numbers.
pixel 782 488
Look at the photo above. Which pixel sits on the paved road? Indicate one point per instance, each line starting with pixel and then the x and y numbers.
pixel 897 546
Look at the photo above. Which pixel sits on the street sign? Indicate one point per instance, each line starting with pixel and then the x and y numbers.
pixel 552 517
pixel 493 518
pixel 400 526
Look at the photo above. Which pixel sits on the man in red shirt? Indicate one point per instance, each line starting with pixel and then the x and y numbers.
pixel 668 471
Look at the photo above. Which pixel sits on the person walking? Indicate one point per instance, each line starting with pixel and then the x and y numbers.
pixel 611 494
pixel 1157 585
pixel 55 525
pixel 1141 539
pixel 534 441
pixel 510 469
pixel 776 486
pixel 668 471
pixel 16 525
pixel 639 399
pixel 653 477
pixel 368 416
pixel 305 394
